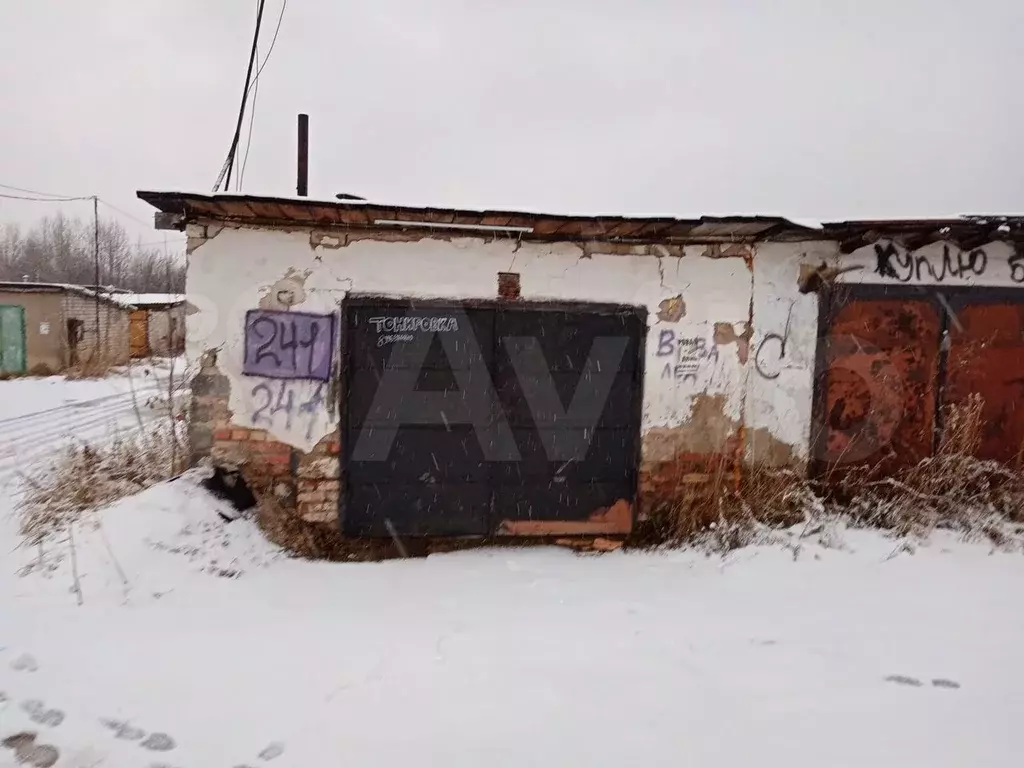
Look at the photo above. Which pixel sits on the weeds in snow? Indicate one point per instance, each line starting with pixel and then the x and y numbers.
pixel 952 490
pixel 94 367
pixel 85 477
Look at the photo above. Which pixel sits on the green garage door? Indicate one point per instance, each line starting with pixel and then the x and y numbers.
pixel 12 339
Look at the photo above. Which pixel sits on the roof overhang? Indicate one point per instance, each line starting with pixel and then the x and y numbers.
pixel 966 232
pixel 175 210
pixel 178 209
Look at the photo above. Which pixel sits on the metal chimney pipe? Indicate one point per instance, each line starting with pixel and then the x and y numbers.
pixel 302 182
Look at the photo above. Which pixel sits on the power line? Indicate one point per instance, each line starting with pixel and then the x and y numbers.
pixel 273 41
pixel 136 219
pixel 37 193
pixel 43 199
pixel 254 88
pixel 49 197
pixel 248 139
pixel 233 151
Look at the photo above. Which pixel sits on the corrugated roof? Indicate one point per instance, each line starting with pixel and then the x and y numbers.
pixel 966 231
pixel 179 208
pixel 182 207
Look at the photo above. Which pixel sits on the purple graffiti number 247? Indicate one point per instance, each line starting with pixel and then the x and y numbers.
pixel 288 345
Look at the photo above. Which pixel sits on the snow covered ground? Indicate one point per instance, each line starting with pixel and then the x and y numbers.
pixel 198 645
pixel 37 415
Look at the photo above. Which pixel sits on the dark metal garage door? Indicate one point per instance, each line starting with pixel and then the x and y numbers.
pixel 490 419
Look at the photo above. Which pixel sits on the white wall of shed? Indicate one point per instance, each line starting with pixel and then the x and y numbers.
pixel 234 269
pixel 783 348
pixel 159 329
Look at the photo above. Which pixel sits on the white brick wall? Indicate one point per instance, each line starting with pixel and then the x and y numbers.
pixel 112 339
pixel 161 342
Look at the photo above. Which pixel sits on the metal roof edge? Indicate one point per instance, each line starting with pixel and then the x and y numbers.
pixel 178 208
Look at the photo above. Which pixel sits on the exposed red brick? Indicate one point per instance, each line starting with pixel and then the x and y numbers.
pixel 269 447
pixel 318 513
pixel 319 468
pixel 508 285
pixel 240 434
pixel 222 434
pixel 317 495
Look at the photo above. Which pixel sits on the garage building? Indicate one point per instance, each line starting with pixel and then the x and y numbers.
pixel 440 372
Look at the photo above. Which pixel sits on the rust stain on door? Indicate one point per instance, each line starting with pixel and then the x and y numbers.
pixel 986 356
pixel 881 360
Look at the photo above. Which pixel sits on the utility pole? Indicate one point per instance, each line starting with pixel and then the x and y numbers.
pixel 96 260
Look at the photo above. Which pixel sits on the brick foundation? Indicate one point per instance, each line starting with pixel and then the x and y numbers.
pixel 305 484
pixel 318 481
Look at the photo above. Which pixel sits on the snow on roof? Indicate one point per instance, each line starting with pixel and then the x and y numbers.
pixel 125 300
pixel 81 290
pixel 149 299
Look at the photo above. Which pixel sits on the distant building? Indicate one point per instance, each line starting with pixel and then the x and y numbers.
pixel 156 323
pixel 48 327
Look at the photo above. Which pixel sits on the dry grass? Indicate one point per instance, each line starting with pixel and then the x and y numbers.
pixel 733 509
pixel 95 367
pixel 316 541
pixel 87 477
pixel 952 490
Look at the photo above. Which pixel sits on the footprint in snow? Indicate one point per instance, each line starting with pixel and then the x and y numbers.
pixel 123 730
pixel 158 742
pixel 271 751
pixel 904 680
pixel 25 663
pixel 28 752
pixel 38 713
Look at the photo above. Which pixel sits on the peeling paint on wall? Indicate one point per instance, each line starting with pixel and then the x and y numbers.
pixel 616 519
pixel 278 270
pixel 706 431
pixel 672 309
pixel 725 333
pixel 287 292
pixel 327 240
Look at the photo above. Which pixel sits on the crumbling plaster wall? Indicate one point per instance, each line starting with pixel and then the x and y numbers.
pixel 886 262
pixel 780 383
pixel 712 309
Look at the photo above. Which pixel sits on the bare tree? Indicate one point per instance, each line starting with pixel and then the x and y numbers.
pixel 59 249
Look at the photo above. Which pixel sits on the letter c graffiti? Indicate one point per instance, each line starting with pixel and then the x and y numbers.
pixel 761 357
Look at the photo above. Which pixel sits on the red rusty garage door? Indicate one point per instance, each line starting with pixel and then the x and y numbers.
pixel 877 392
pixel 986 356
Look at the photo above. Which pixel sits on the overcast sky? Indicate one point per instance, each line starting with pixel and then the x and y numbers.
pixel 807 108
